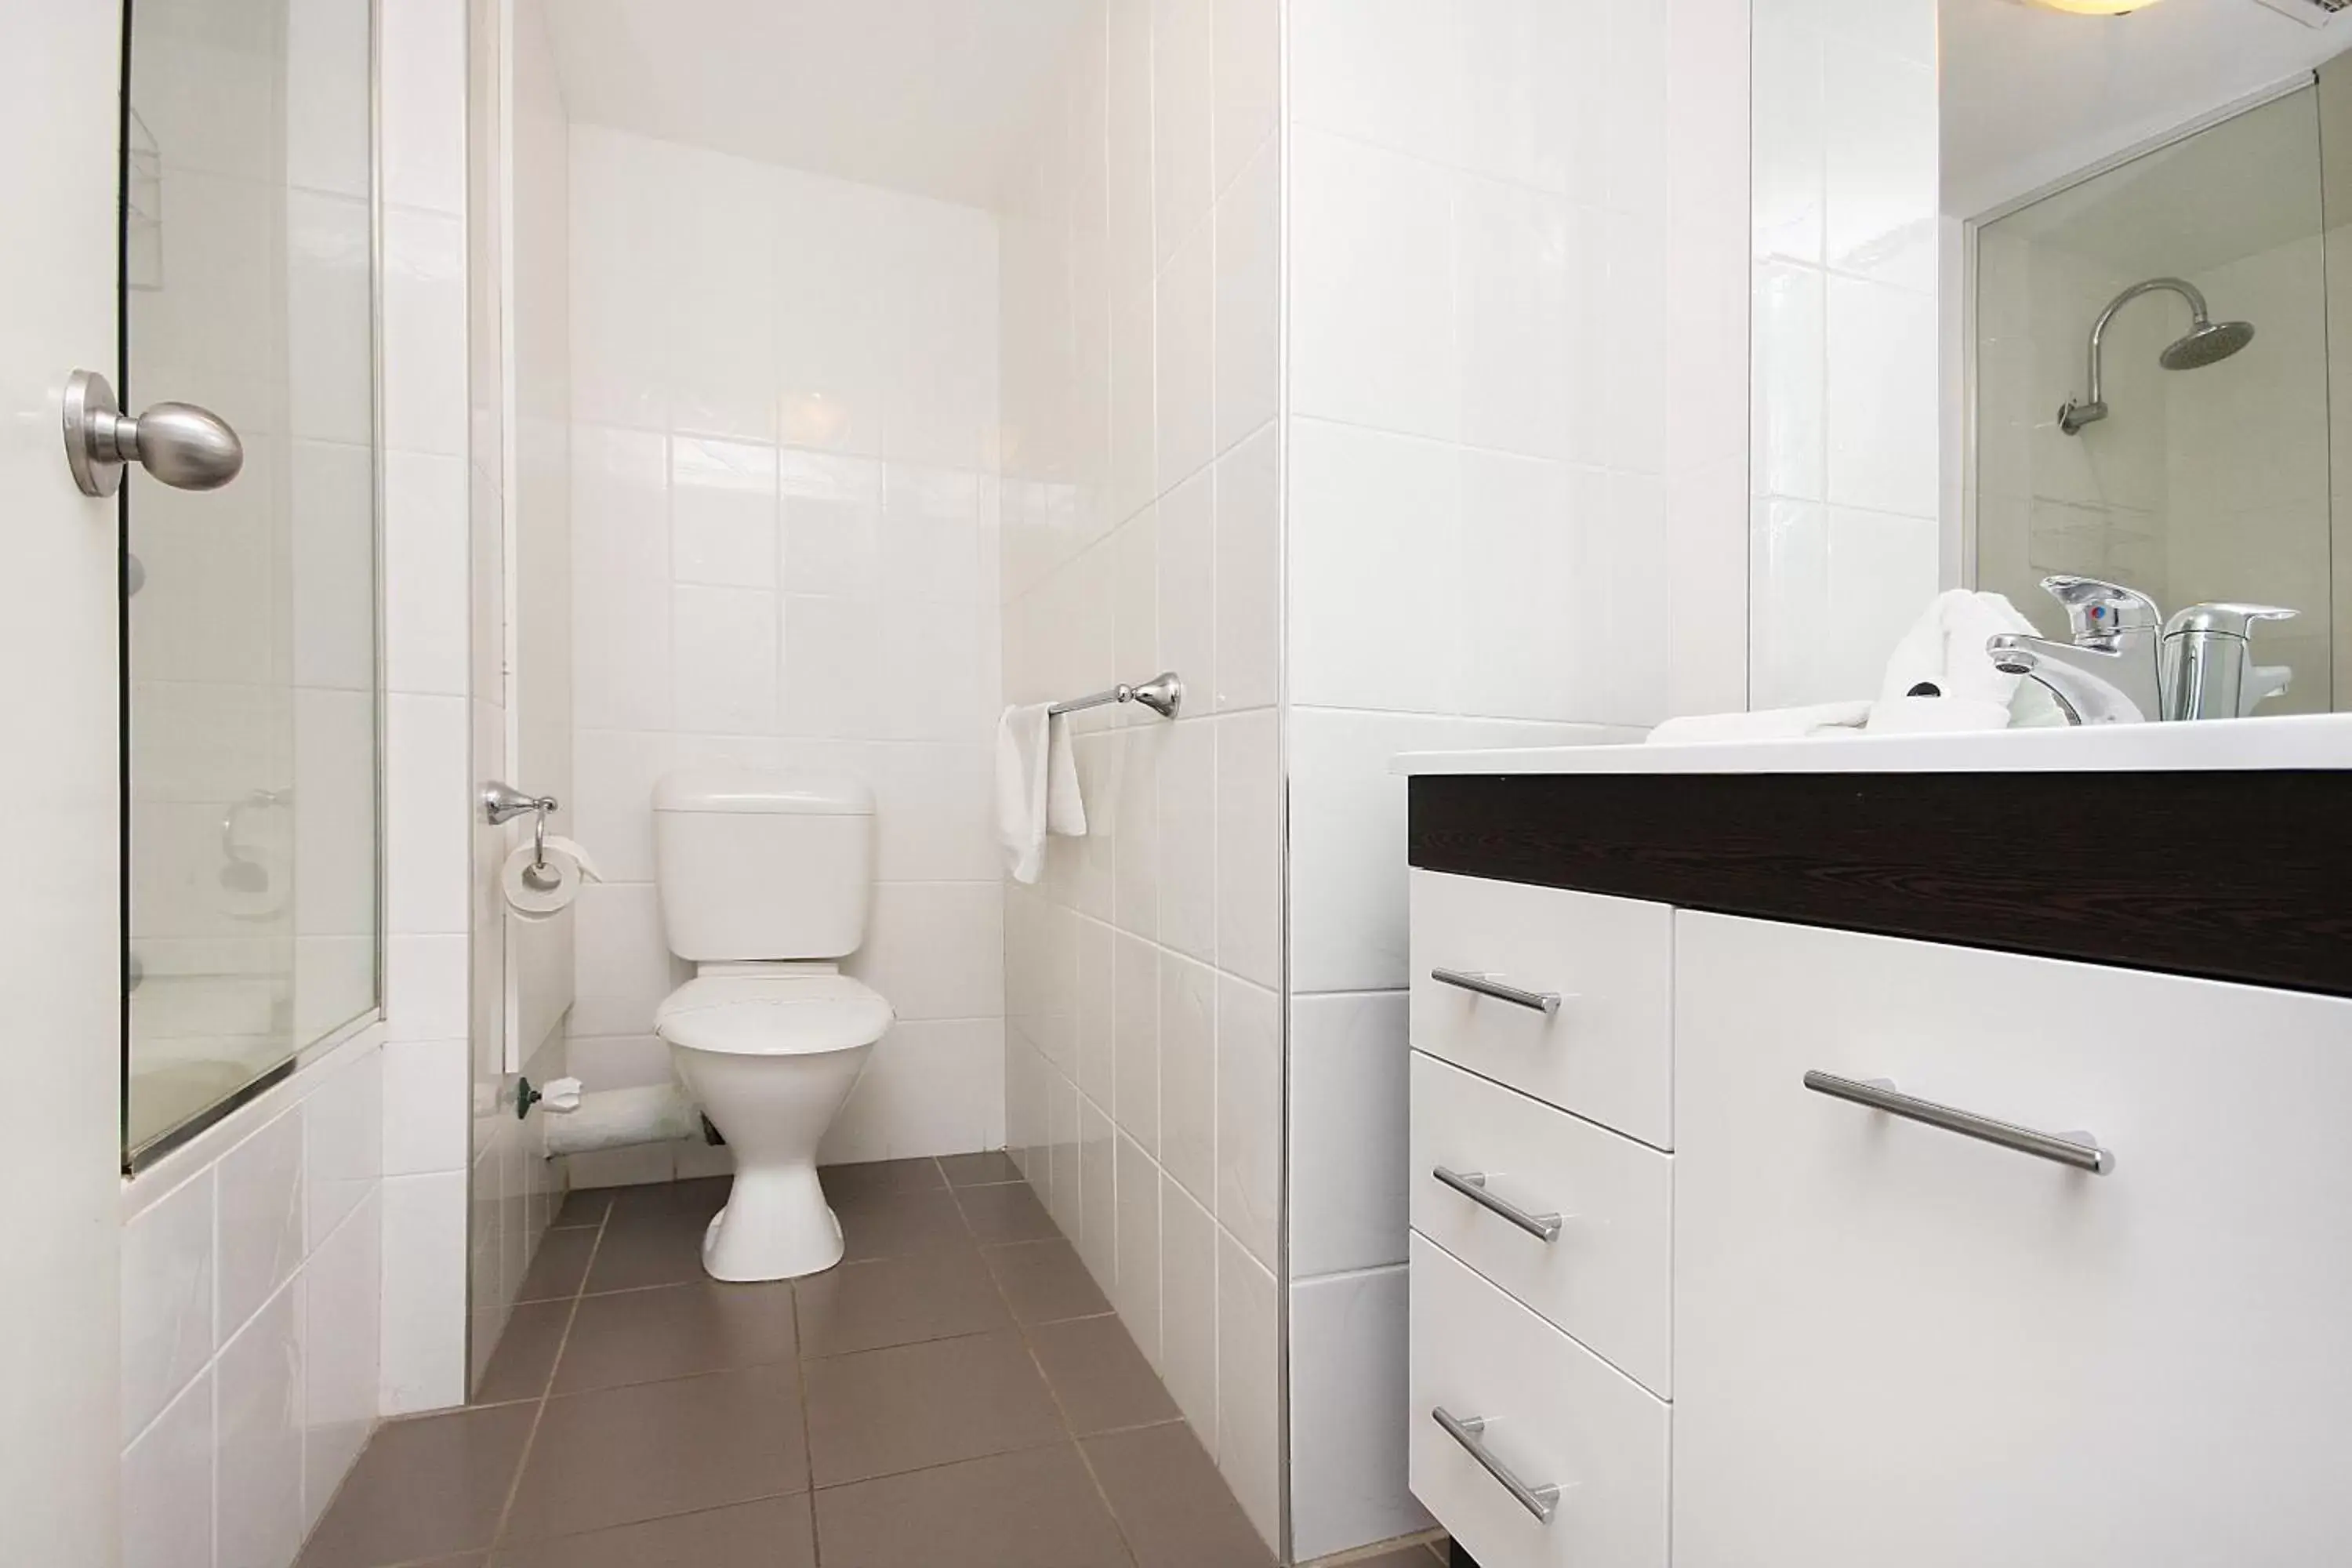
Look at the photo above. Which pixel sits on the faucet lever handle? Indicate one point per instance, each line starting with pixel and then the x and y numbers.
pixel 2225 616
pixel 2098 611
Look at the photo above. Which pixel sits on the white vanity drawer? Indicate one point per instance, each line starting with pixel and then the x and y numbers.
pixel 1554 1416
pixel 1605 1051
pixel 1606 1272
pixel 1899 1342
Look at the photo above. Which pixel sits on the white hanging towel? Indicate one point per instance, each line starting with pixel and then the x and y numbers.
pixel 1764 724
pixel 1036 787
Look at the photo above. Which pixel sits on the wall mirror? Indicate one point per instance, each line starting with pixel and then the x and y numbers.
pixel 2145 220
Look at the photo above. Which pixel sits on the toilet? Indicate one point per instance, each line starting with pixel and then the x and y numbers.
pixel 765 881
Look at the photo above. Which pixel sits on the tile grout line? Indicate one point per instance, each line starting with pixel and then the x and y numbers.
pixel 1029 1345
pixel 547 1392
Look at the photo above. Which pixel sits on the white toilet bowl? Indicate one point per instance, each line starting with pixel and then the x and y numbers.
pixel 771 1051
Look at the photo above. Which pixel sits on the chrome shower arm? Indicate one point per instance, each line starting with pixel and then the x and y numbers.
pixel 2095 397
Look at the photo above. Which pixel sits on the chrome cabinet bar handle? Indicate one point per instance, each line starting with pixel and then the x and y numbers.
pixel 2078 1150
pixel 1469 1430
pixel 1472 1185
pixel 1544 1002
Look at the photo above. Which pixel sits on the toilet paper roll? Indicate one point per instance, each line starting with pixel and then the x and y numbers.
pixel 567 867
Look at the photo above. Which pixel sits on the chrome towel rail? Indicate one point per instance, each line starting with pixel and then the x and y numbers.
pixel 2079 1150
pixel 1163 693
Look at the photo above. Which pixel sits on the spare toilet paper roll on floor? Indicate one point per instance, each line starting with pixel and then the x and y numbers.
pixel 541 892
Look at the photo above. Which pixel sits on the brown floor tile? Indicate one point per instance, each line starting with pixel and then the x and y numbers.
pixel 881 1412
pixel 691 1201
pixel 898 1301
pixel 583 1205
pixel 1099 1376
pixel 774 1534
pixel 891 1225
pixel 1402 1557
pixel 984 1170
pixel 1170 1501
pixel 1045 1281
pixel 1035 1508
pixel 623 1455
pixel 432 1486
pixel 653 1236
pixel 674 1331
pixel 849 1183
pixel 524 1357
pixel 1009 1212
pixel 560 1264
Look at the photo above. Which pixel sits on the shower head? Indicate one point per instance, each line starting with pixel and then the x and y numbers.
pixel 2206 342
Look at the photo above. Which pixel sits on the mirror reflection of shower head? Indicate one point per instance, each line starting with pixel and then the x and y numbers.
pixel 2207 342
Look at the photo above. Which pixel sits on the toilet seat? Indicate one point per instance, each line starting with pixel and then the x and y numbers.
pixel 772 1016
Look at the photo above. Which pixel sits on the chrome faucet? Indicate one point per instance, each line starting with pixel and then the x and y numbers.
pixel 2126 665
pixel 2111 672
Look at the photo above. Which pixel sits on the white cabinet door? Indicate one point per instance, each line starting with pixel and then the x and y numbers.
pixel 1897 1344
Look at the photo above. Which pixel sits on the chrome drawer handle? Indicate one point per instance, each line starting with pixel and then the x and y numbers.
pixel 2078 1150
pixel 1468 1431
pixel 1544 1002
pixel 1472 1185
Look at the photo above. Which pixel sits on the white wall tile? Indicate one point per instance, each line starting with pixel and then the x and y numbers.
pixel 342 1134
pixel 1375 569
pixel 1347 1396
pixel 1249 1116
pixel 1097 1031
pixel 619 1061
pixel 624 965
pixel 424 332
pixel 425 595
pixel 1136 1291
pixel 167 1299
pixel 933 1086
pixel 723 513
pixel 1249 573
pixel 1097 1238
pixel 260 1217
pixel 1249 847
pixel 1248 63
pixel 1249 1386
pixel 1248 306
pixel 936 949
pixel 1188 1076
pixel 725 641
pixel 1387 72
pixel 1881 398
pixel 424 986
pixel 1188 838
pixel 614 774
pixel 424 90
pixel 621 603
pixel 426 1089
pixel 1135 861
pixel 428 843
pixel 423 1364
pixel 167 1486
pixel 1183 358
pixel 1372 337
pixel 342 1315
pixel 258 1437
pixel 1183 66
pixel 1347 1131
pixel 1186 530
pixel 1135 1005
pixel 1188 1308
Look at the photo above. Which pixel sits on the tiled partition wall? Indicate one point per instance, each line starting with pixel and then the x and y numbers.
pixel 1141 331
pixel 1516 517
pixel 1845 463
pixel 784 556
pixel 298 1270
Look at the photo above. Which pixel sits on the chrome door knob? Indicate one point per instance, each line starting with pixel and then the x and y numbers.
pixel 187 447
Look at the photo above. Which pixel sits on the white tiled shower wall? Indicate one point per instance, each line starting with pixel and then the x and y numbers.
pixel 1141 309
pixel 1517 361
pixel 298 1270
pixel 1844 463
pixel 784 512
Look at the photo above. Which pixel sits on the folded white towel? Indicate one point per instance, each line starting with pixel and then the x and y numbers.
pixel 1946 649
pixel 1036 787
pixel 1767 724
pixel 1936 716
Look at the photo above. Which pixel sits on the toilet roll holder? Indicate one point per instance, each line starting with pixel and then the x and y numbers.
pixel 501 804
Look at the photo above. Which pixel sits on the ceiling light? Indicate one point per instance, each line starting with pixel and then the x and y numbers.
pixel 2094 7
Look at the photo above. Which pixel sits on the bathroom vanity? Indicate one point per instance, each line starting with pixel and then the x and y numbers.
pixel 1934 1149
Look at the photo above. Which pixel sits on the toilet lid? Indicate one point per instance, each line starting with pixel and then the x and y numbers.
pixel 772 1016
